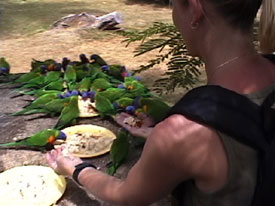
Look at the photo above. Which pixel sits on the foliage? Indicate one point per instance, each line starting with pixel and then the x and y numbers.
pixel 183 70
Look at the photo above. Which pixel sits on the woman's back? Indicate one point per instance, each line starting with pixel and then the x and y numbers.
pixel 242 176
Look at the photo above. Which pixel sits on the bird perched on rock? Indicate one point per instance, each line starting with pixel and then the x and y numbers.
pixel 36 65
pixel 124 102
pixel 83 59
pixel 69 113
pixel 113 93
pixel 155 108
pixel 119 151
pixel 101 84
pixel 114 70
pixel 24 78
pixel 4 67
pixel 97 60
pixel 70 74
pixel 84 84
pixel 42 140
pixel 36 104
pixel 4 71
pixel 65 62
pixel 104 105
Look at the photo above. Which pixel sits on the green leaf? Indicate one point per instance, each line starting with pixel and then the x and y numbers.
pixel 183 70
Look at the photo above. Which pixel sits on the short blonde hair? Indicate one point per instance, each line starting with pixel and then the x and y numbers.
pixel 267 27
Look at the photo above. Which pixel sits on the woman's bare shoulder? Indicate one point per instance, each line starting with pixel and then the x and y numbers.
pixel 181 136
pixel 191 146
pixel 180 128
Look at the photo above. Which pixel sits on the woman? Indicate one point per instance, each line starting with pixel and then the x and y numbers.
pixel 216 169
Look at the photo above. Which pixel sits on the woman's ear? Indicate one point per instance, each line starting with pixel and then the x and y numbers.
pixel 196 12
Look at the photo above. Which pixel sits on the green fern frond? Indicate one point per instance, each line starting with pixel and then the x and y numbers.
pixel 183 70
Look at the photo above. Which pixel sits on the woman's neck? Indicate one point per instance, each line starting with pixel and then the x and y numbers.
pixel 224 51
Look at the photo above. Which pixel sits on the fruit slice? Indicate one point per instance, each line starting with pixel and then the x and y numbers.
pixel 30 185
pixel 86 108
pixel 88 140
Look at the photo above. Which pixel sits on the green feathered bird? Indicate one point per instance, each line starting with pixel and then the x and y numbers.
pixel 72 86
pixel 114 70
pixel 53 76
pixel 36 64
pixel 96 59
pixel 104 105
pixel 70 74
pixel 135 89
pixel 24 78
pixel 84 84
pixel 36 104
pixel 113 93
pixel 55 106
pixel 4 66
pixel 155 108
pixel 51 108
pixel 101 84
pixel 35 83
pixel 119 151
pixel 80 74
pixel 40 92
pixel 69 113
pixel 57 85
pixel 42 140
pixel 124 102
pixel 40 80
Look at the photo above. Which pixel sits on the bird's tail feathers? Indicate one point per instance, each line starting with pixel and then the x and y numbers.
pixel 13 144
pixel 29 112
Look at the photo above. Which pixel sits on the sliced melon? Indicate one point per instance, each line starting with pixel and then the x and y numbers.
pixel 88 140
pixel 31 186
pixel 86 108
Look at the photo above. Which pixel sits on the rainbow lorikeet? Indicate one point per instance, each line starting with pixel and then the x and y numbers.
pixel 39 66
pixel 104 105
pixel 96 59
pixel 69 113
pixel 42 140
pixel 70 74
pixel 83 59
pixel 24 78
pixel 119 151
pixel 4 67
pixel 123 102
pixel 154 107
pixel 42 100
pixel 84 84
pixel 113 93
pixel 101 84
pixel 114 70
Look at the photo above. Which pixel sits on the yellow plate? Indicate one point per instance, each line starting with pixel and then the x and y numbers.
pixel 86 108
pixel 88 140
pixel 30 186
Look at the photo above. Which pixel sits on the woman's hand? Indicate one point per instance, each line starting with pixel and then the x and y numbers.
pixel 142 130
pixel 63 165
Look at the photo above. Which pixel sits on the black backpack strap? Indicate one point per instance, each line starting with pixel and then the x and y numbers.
pixel 264 195
pixel 268 115
pixel 226 111
pixel 271 57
